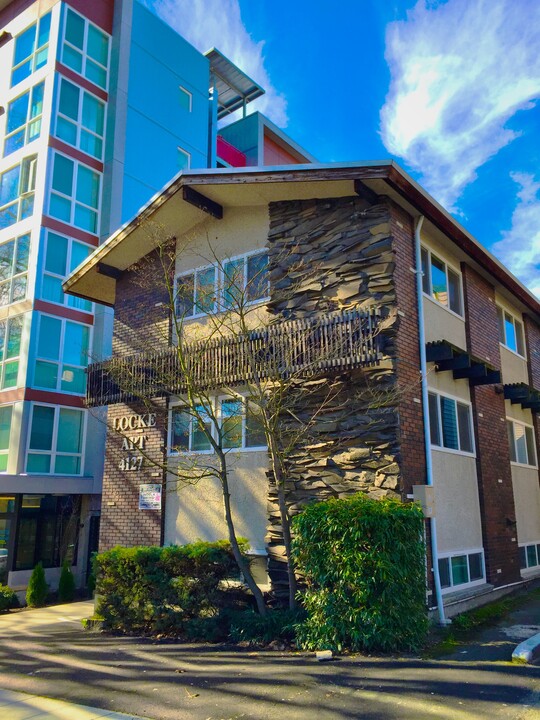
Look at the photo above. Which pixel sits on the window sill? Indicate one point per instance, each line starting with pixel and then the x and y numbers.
pixel 444 307
pixel 526 466
pixel 451 451
pixel 514 352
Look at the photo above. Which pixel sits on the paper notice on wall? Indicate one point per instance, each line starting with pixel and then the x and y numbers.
pixel 150 497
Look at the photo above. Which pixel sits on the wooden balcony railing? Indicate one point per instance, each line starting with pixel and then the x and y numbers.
pixel 339 341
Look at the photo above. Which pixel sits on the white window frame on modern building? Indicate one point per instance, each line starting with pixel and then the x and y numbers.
pixel 459 554
pixel 11 359
pixel 17 272
pixel 69 300
pixel 86 60
pixel 217 409
pixel 4 451
pixel 186 99
pixel 516 451
pixel 62 367
pixel 30 129
pixel 39 55
pixel 186 155
pixel 440 435
pixel 427 281
pixel 75 203
pixel 53 453
pixel 504 316
pixel 524 549
pixel 80 130
pixel 23 202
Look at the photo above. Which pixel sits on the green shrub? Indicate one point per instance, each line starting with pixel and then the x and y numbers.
pixel 91 579
pixel 158 589
pixel 364 567
pixel 278 624
pixel 8 599
pixel 37 590
pixel 66 585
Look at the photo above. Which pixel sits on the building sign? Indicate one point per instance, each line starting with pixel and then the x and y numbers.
pixel 150 497
pixel 130 443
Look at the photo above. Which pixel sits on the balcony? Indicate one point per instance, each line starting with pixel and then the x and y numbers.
pixel 337 342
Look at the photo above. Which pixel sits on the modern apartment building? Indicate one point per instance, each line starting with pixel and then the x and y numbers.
pixel 101 104
pixel 363 255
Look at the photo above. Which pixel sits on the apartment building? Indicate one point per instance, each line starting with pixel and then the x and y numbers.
pixel 455 336
pixel 101 104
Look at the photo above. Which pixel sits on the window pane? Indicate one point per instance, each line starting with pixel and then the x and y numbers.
pixel 185 99
pixel 231 423
pixel 444 572
pixel 60 207
pixel 69 100
pixel 180 420
pixel 76 344
pixel 19 288
pixel 3 330
pixel 531 450
pixel 70 427
pixel 46 375
pixel 22 72
pixel 66 130
pixel 13 347
pixel 6 259
pixel 98 45
pixel 79 253
pixel 521 443
pixel 42 428
pixel 464 422
pixel 520 345
pixel 91 144
pixel 55 260
pixel 96 74
pixel 522 558
pixel 67 465
pixel 44 30
pixel 11 374
pixel 185 288
pixel 511 440
pixel 49 337
pixel 38 463
pixel 454 290
pixel 233 271
pixel 5 426
pixel 37 100
pixel 532 560
pixel 199 437
pixel 438 280
pixel 510 331
pixel 85 218
pixel 255 436
pixel 257 277
pixel 72 58
pixel 52 289
pixel 183 159
pixel 434 420
pixel 63 174
pixel 75 29
pixel 24 45
pixel 73 380
pixel 87 186
pixel 476 566
pixel 9 185
pixel 93 112
pixel 23 251
pixel 17 113
pixel 460 573
pixel 206 290
pixel 449 424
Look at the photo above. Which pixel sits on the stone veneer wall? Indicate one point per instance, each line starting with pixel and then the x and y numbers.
pixel 341 253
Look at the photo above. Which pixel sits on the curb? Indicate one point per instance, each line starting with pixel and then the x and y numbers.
pixel 527 651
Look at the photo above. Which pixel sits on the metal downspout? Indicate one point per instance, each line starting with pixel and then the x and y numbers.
pixel 425 411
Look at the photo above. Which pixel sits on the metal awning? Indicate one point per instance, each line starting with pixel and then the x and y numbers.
pixel 234 88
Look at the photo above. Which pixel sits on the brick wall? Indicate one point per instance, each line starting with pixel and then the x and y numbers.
pixel 492 451
pixel 532 343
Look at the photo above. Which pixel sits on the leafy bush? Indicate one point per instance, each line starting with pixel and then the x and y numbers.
pixel 158 589
pixel 91 579
pixel 364 566
pixel 278 624
pixel 37 590
pixel 66 584
pixel 8 599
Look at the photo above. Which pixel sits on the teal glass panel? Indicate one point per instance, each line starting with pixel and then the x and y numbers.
pixel 52 289
pixel 17 112
pixel 38 463
pixel 60 207
pixel 206 290
pixel 233 271
pixel 79 303
pixel 76 344
pixel 460 572
pixel 13 347
pixel 44 30
pixel 199 437
pixel 46 375
pixel 439 287
pixel 183 159
pixel 93 114
pixel 79 253
pixel 41 432
pixel 23 251
pixel 87 186
pixel 5 426
pixel 97 46
pixel 27 206
pixel 11 374
pixel 41 58
pixel 69 100
pixel 231 423
pixel 96 74
pixel 72 58
pixel 74 29
pixel 36 108
pixel 6 259
pixel 67 465
pixel 24 45
pixel 3 468
pixel 55 259
pixel 9 185
pixel 91 144
pixel 70 428
pixel 22 72
pixel 85 218
pixel 184 99
pixel 14 142
pixel 34 129
pixel 73 380
pixel 49 337
pixel 63 174
pixel 66 130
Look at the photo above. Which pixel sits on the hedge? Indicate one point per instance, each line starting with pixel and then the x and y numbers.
pixel 364 567
pixel 160 589
pixel 8 599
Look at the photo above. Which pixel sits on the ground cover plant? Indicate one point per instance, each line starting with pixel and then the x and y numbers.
pixel 8 599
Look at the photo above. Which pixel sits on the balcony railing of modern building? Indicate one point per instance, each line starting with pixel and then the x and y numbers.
pixel 334 343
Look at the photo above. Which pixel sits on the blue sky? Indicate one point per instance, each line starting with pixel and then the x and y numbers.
pixel 448 89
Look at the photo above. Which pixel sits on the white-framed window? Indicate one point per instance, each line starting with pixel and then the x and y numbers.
pixel 462 569
pixel 241 280
pixel 521 443
pixel 17 187
pixel 232 416
pixel 185 99
pixel 62 256
pixel 61 355
pixel 14 269
pixel 80 119
pixel 75 193
pixel 11 330
pixel 184 159
pixel 85 48
pixel 23 122
pixel 450 423
pixel 31 50
pixel 511 332
pixel 529 555
pixel 441 282
pixel 55 440
pixel 6 411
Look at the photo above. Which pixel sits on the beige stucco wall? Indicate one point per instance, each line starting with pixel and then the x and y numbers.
pixel 518 413
pixel 514 367
pixel 527 503
pixel 456 500
pixel 444 382
pixel 196 512
pixel 441 324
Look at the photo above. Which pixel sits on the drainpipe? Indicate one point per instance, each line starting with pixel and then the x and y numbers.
pixel 425 411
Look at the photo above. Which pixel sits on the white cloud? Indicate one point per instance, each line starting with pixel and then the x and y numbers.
pixel 459 71
pixel 218 23
pixel 519 248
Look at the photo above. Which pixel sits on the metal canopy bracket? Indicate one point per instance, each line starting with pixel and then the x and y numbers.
pixel 202 202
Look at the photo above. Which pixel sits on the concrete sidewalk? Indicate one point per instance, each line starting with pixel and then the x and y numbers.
pixel 21 706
